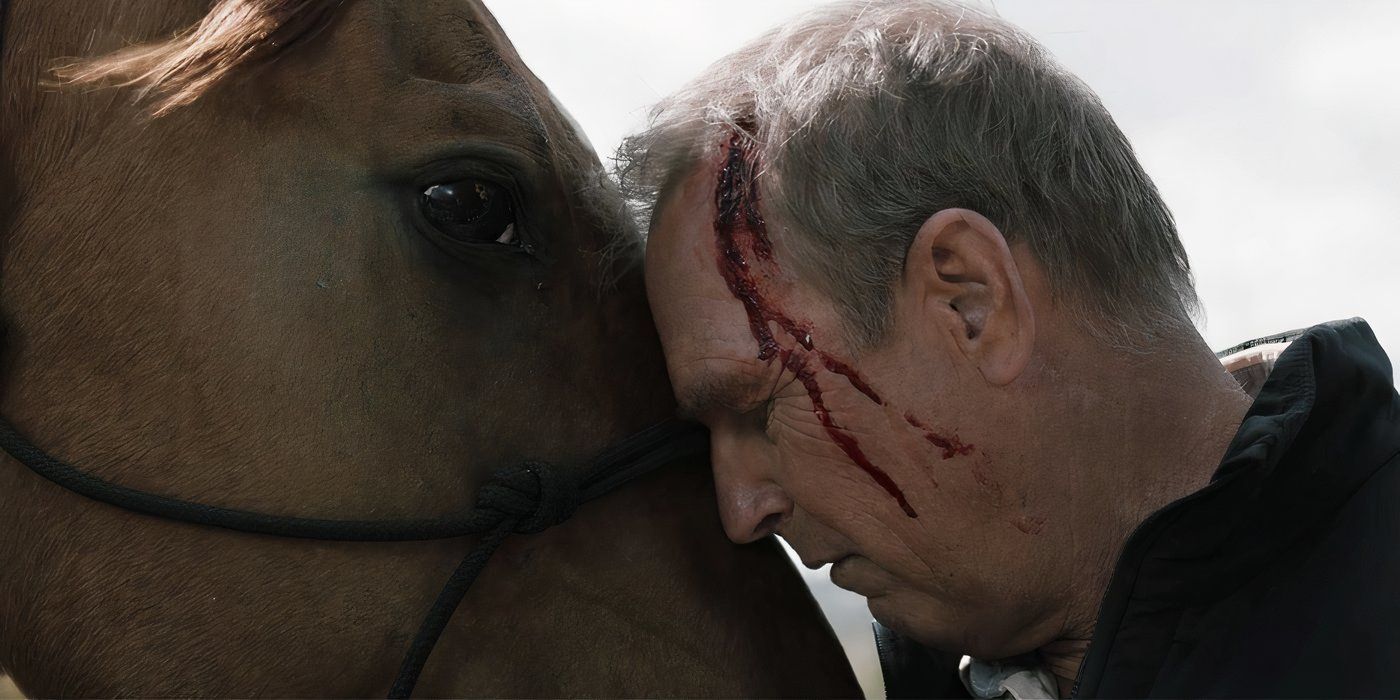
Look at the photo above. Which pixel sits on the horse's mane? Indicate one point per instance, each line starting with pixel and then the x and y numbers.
pixel 233 34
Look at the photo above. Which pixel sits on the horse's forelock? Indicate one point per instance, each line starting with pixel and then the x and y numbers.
pixel 233 35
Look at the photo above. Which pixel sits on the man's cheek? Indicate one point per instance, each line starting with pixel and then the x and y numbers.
pixel 819 478
pixel 805 450
pixel 816 466
pixel 886 441
pixel 795 431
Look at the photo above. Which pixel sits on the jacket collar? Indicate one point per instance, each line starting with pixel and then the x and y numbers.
pixel 1321 425
pixel 1325 420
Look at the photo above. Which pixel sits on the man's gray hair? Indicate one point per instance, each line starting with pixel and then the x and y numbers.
pixel 869 117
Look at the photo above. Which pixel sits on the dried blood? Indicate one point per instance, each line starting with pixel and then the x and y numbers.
pixel 741 232
pixel 838 367
pixel 951 446
pixel 847 442
pixel 737 222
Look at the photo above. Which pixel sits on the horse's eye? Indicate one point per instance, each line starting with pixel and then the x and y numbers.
pixel 470 211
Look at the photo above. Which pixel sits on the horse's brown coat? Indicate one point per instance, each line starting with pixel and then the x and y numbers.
pixel 233 303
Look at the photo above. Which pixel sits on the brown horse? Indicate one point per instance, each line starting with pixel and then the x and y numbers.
pixel 338 260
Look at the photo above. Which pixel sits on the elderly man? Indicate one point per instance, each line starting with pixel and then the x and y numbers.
pixel 938 320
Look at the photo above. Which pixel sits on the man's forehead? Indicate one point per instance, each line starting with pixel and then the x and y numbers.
pixel 681 243
pixel 703 326
pixel 688 197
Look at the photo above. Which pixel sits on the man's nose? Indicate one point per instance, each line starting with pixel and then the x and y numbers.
pixel 751 505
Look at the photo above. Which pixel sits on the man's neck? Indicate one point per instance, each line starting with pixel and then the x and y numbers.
pixel 1063 659
pixel 1170 417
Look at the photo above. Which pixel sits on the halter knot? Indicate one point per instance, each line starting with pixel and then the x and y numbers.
pixel 538 495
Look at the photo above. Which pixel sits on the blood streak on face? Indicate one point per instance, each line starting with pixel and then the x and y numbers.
pixel 838 367
pixel 739 228
pixel 847 442
pixel 738 221
pixel 951 446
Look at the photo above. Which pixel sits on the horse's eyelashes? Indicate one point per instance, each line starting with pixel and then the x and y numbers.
pixel 471 210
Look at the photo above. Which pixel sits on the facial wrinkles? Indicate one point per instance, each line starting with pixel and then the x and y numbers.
pixel 746 263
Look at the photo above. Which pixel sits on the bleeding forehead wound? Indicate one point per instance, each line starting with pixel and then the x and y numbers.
pixel 744 254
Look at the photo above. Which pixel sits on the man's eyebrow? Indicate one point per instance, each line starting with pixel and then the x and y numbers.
pixel 708 390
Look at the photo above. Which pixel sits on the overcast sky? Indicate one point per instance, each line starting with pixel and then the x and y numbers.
pixel 1270 127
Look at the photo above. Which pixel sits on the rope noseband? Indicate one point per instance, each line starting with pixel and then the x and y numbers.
pixel 523 499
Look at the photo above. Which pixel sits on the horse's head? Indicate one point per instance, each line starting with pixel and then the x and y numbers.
pixel 363 266
pixel 308 257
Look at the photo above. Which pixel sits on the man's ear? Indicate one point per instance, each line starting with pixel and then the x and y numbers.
pixel 961 280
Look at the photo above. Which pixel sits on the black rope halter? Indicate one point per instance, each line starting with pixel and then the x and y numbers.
pixel 522 499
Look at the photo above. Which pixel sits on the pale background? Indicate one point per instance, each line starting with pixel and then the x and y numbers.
pixel 1270 128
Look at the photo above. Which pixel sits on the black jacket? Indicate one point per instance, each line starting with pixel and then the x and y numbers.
pixel 1282 576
